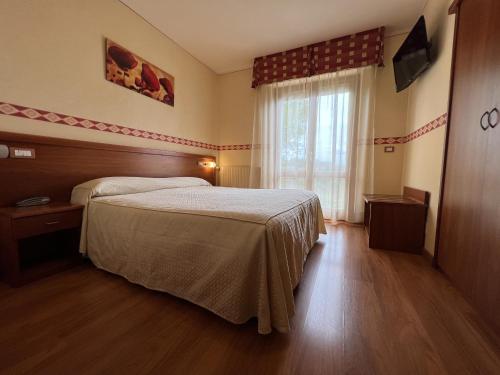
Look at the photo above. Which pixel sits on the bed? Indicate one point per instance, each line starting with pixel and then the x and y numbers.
pixel 236 252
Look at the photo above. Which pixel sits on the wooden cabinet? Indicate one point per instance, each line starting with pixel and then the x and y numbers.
pixel 38 241
pixel 395 222
pixel 468 242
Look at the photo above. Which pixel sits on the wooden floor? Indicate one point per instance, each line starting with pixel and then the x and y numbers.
pixel 358 311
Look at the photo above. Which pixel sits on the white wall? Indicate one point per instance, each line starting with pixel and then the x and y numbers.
pixel 53 58
pixel 234 117
pixel 428 99
pixel 390 121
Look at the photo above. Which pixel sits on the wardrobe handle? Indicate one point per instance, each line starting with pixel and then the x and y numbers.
pixel 486 115
pixel 493 117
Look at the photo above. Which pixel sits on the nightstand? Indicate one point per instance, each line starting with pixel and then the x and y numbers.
pixel 397 222
pixel 38 241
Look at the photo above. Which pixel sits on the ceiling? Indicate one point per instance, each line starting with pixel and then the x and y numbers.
pixel 226 35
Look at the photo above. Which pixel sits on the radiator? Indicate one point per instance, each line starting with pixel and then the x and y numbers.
pixel 234 176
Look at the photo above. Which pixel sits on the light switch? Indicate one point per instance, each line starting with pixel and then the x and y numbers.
pixel 389 149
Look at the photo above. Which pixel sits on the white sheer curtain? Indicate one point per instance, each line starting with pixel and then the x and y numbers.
pixel 316 133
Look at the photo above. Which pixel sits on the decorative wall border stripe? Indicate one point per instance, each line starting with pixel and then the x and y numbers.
pixel 434 124
pixel 390 141
pixel 234 147
pixel 68 120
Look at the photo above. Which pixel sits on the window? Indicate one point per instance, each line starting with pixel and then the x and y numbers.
pixel 316 134
pixel 314 144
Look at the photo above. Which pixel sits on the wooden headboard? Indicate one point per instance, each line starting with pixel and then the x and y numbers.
pixel 61 164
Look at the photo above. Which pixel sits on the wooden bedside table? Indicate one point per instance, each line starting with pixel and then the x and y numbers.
pixel 38 241
pixel 397 222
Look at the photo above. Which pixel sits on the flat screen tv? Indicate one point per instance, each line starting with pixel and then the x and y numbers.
pixel 413 57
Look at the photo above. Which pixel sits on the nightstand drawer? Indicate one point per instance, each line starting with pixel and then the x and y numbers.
pixel 34 225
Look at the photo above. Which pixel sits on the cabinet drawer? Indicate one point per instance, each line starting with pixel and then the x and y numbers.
pixel 34 225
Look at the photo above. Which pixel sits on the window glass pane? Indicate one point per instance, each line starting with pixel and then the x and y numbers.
pixel 294 128
pixel 325 171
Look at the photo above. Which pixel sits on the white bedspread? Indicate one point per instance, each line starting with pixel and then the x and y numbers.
pixel 236 252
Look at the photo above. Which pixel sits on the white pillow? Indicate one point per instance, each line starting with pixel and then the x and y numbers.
pixel 129 185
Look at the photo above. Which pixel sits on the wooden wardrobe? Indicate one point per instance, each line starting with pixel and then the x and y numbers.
pixel 468 241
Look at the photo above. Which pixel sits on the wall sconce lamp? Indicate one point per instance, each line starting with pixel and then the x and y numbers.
pixel 207 164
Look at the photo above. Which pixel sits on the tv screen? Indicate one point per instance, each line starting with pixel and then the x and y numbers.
pixel 413 57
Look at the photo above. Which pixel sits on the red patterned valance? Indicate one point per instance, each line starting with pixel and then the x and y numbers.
pixel 351 51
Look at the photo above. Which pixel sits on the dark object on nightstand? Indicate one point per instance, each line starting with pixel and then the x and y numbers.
pixel 395 222
pixel 34 201
pixel 38 241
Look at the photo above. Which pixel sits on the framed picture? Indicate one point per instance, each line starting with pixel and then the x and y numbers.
pixel 133 72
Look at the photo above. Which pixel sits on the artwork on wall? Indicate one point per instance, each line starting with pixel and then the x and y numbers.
pixel 131 71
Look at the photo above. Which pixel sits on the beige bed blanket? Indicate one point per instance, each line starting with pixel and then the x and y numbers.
pixel 236 252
